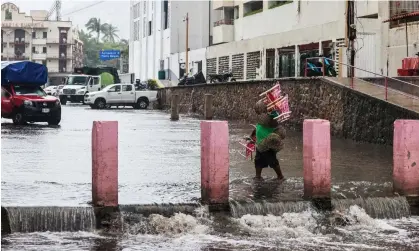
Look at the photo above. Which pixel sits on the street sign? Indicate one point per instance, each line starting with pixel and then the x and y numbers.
pixel 105 55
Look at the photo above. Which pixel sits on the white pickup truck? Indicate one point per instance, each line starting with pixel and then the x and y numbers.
pixel 120 95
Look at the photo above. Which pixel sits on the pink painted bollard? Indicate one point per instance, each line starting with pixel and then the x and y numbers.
pixel 316 154
pixel 105 163
pixel 406 157
pixel 214 162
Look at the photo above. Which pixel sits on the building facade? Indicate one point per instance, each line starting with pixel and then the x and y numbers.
pixel 158 37
pixel 266 39
pixel 35 38
pixel 258 39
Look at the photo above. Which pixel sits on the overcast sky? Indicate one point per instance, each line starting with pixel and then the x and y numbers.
pixel 109 11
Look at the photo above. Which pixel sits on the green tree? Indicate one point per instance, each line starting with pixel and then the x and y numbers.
pixel 109 33
pixel 94 25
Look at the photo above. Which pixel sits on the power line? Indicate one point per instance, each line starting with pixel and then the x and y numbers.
pixel 83 8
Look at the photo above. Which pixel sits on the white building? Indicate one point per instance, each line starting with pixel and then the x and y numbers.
pixel 271 39
pixel 40 40
pixel 158 37
pixel 266 39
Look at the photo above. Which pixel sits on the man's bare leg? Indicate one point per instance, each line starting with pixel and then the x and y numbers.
pixel 258 173
pixel 278 172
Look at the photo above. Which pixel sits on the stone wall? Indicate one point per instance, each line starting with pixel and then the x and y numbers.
pixel 352 114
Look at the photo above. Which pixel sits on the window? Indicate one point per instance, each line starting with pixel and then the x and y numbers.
pixel 95 81
pixel 166 14
pixel 136 10
pixel 44 34
pixel 116 88
pixel 144 27
pixel 33 34
pixel 127 88
pixel 149 28
pixel 44 49
pixel 145 7
pixel 236 12
pixel 8 15
pixel 33 49
pixel 27 90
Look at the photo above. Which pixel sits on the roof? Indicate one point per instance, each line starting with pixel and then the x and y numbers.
pixel 23 72
pixel 402 16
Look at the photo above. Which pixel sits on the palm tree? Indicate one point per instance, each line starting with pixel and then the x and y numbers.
pixel 110 33
pixel 94 25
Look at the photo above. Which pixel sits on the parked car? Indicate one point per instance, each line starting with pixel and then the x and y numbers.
pixel 51 90
pixel 120 95
pixel 22 98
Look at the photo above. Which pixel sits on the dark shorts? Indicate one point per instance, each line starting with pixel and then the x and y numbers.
pixel 265 159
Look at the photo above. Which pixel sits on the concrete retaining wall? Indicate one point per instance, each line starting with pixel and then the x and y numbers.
pixel 352 114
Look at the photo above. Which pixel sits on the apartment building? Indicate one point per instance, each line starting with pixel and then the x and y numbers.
pixel 158 38
pixel 33 37
pixel 271 39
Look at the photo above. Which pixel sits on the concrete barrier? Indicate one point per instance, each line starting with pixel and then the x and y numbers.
pixel 406 157
pixel 316 154
pixel 214 162
pixel 174 115
pixel 208 109
pixel 105 164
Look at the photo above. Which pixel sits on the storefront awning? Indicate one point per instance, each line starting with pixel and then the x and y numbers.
pixel 402 16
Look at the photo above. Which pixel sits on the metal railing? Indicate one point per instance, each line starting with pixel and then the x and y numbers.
pixel 386 78
pixel 224 21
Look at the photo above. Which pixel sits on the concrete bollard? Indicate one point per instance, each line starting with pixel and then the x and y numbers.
pixel 175 107
pixel 406 157
pixel 317 164
pixel 215 163
pixel 208 109
pixel 105 163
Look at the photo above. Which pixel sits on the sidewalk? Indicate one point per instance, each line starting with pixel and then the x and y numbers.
pixel 404 100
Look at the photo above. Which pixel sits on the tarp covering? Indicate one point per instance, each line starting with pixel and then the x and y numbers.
pixel 23 72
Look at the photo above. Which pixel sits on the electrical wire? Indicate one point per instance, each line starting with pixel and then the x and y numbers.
pixel 86 7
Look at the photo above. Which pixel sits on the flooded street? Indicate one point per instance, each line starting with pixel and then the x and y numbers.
pixel 159 162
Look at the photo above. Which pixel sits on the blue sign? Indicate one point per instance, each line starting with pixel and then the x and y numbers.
pixel 109 54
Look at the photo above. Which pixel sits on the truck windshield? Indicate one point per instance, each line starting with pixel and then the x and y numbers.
pixel 29 90
pixel 77 80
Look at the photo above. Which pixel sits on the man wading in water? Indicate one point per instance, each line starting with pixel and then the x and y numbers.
pixel 269 140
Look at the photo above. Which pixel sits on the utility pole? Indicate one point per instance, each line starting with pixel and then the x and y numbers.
pixel 187 45
pixel 351 35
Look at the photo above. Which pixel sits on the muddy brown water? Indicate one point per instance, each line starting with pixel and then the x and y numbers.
pixel 159 162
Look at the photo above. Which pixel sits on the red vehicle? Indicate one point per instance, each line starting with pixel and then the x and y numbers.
pixel 22 98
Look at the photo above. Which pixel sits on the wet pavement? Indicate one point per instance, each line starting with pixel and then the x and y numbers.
pixel 159 162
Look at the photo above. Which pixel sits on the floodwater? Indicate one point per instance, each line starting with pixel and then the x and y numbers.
pixel 159 162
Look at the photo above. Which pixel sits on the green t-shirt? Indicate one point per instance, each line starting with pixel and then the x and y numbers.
pixel 262 132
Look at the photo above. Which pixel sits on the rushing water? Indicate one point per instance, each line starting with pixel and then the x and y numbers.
pixel 56 219
pixel 159 163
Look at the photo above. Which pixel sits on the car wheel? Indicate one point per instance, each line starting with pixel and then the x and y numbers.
pixel 83 98
pixel 142 103
pixel 100 103
pixel 63 101
pixel 18 119
pixel 93 106
pixel 54 121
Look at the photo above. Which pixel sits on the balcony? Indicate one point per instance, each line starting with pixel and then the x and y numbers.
pixel 219 4
pixel 223 31
pixel 18 57
pixel 57 41
pixel 61 56
pixel 20 41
